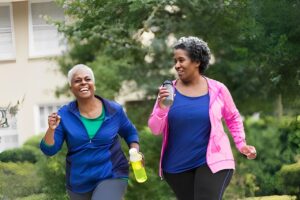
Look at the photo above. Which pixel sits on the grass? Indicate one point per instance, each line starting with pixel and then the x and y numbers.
pixel 275 197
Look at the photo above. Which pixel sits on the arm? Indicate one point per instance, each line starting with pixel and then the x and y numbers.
pixel 128 131
pixel 235 125
pixel 54 137
pixel 159 115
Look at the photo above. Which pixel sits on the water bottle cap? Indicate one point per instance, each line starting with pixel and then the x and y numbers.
pixel 134 155
pixel 132 151
pixel 166 82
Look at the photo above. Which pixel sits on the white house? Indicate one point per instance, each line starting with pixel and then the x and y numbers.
pixel 28 75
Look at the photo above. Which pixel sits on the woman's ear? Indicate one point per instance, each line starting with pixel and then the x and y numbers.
pixel 198 63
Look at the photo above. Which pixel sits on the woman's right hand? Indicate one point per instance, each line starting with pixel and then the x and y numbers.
pixel 249 151
pixel 162 95
pixel 53 121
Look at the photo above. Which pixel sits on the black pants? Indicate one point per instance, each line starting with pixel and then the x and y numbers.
pixel 199 183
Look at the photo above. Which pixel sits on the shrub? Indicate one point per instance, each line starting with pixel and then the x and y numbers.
pixel 18 180
pixel 26 154
pixel 289 176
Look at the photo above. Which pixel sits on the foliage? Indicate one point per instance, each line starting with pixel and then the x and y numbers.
pixel 105 41
pixel 34 141
pixel 289 175
pixel 154 187
pixel 18 180
pixel 276 145
pixel 290 138
pixel 34 197
pixel 267 136
pixel 255 49
pixel 19 155
pixel 52 172
pixel 13 109
pixel 275 197
pixel 139 112
pixel 30 152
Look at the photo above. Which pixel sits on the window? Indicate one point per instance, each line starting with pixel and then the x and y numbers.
pixel 7 50
pixel 8 140
pixel 8 130
pixel 44 38
pixel 42 116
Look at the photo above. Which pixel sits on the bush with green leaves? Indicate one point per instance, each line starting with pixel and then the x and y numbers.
pixel 34 141
pixel 29 152
pixel 154 187
pixel 18 180
pixel 275 148
pixel 52 172
pixel 289 176
pixel 25 154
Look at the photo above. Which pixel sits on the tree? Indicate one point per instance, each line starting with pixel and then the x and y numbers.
pixel 256 50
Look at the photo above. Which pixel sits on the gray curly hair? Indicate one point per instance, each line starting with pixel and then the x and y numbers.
pixel 197 50
pixel 78 67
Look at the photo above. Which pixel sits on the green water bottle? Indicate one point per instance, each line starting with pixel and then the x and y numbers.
pixel 138 168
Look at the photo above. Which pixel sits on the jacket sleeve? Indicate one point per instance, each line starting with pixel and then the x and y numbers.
pixel 127 129
pixel 157 119
pixel 233 119
pixel 59 138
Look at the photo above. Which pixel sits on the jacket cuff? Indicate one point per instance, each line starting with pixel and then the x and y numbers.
pixel 47 149
pixel 240 144
pixel 133 138
pixel 45 144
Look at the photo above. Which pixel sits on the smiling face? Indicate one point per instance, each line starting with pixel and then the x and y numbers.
pixel 186 68
pixel 82 84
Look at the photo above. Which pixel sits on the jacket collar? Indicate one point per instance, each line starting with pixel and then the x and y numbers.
pixel 110 110
pixel 213 90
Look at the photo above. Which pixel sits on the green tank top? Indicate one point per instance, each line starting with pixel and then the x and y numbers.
pixel 93 125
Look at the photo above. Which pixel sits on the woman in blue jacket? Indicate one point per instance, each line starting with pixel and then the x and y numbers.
pixel 96 167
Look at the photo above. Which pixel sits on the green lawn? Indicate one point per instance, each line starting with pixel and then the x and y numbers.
pixel 284 197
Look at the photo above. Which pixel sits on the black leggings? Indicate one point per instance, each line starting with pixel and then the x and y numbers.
pixel 199 183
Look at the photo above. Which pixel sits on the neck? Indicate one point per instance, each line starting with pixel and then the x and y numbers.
pixel 90 108
pixel 88 105
pixel 196 80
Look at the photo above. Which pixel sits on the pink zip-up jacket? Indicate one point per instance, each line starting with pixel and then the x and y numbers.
pixel 221 106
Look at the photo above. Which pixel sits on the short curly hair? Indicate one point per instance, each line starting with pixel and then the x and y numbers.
pixel 197 50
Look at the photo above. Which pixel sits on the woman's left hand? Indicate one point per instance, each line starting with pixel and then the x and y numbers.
pixel 249 151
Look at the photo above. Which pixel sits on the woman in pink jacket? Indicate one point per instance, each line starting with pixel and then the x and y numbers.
pixel 196 157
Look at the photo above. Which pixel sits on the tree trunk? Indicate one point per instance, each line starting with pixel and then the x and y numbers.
pixel 279 107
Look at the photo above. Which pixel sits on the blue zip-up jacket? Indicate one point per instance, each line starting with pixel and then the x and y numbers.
pixel 90 161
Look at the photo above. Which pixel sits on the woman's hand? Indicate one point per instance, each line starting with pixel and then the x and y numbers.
pixel 162 95
pixel 249 151
pixel 137 146
pixel 53 121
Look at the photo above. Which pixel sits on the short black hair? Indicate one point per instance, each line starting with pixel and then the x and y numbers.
pixel 197 50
